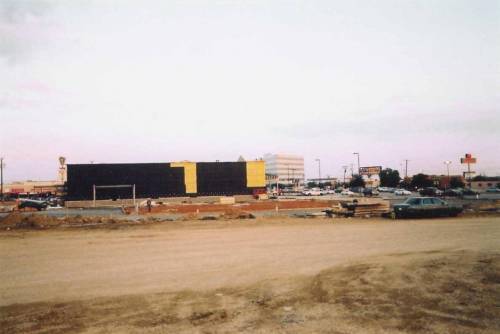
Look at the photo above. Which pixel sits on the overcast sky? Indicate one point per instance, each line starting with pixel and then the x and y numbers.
pixel 159 81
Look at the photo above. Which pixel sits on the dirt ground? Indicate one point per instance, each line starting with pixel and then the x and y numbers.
pixel 250 206
pixel 277 275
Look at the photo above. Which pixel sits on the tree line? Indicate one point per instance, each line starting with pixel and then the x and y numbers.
pixel 391 178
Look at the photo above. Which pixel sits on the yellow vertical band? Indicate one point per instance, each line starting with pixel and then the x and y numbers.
pixel 189 175
pixel 256 174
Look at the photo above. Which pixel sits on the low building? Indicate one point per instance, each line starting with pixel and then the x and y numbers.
pixel 443 181
pixel 155 180
pixel 31 187
pixel 483 185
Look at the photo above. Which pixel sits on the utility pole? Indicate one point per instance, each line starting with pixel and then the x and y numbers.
pixel 406 168
pixel 359 166
pixel 345 170
pixel 1 178
pixel 288 171
pixel 319 171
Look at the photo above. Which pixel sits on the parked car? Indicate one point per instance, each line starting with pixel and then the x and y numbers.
pixel 338 190
pixel 402 192
pixel 431 191
pixel 425 207
pixel 357 190
pixel 32 203
pixel 493 190
pixel 370 192
pixel 311 192
pixel 347 192
pixel 386 189
pixel 469 192
pixel 327 191
pixel 456 192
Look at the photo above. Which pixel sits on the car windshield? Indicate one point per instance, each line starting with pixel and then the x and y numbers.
pixel 413 201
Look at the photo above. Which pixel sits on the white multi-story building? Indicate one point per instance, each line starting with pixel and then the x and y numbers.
pixel 285 168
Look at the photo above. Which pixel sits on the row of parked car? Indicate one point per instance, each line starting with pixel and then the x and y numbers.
pixel 429 191
pixel 342 191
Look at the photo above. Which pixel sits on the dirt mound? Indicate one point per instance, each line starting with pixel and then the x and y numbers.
pixel 16 220
pixel 236 213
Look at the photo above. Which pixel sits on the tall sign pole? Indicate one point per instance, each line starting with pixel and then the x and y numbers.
pixel 447 163
pixel 1 178
pixel 468 160
pixel 319 171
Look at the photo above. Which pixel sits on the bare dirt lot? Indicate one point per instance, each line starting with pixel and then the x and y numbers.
pixel 277 275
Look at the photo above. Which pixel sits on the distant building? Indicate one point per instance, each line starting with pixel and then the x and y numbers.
pixel 286 169
pixel 483 185
pixel 443 181
pixel 32 187
pixel 372 181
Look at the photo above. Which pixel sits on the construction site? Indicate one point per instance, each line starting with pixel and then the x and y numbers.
pixel 205 248
pixel 258 167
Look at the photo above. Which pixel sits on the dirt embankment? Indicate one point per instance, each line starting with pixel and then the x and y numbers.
pixel 250 206
pixel 16 220
pixel 427 292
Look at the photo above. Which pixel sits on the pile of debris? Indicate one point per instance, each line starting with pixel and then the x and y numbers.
pixel 361 208
pixel 234 213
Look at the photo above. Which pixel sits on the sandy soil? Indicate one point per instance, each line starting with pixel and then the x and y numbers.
pixel 260 276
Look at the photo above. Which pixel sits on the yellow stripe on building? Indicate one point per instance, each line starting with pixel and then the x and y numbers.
pixel 189 175
pixel 256 174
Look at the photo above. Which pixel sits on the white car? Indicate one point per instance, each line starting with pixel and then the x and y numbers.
pixel 311 192
pixel 402 192
pixel 347 192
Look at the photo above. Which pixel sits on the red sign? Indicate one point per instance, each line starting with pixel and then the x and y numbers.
pixel 468 159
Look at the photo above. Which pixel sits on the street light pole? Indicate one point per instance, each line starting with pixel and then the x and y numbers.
pixel 1 178
pixel 447 163
pixel 319 171
pixel 359 166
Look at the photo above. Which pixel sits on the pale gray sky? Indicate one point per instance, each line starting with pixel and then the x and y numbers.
pixel 147 81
